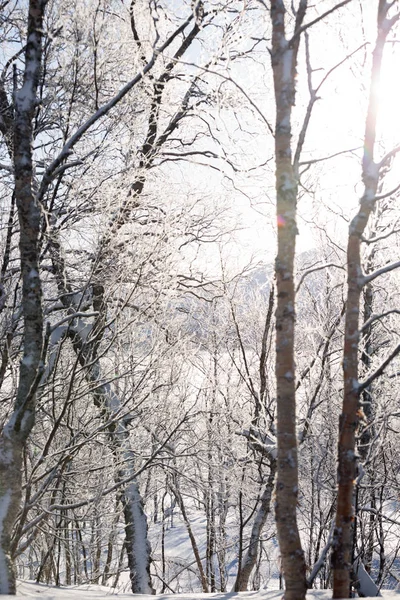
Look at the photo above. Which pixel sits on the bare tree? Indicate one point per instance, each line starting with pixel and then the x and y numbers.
pixel 284 62
pixel 17 429
pixel 350 416
pixel 36 196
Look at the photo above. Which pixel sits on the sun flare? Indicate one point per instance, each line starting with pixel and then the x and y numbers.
pixel 388 95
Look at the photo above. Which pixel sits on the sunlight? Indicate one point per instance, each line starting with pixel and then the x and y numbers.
pixel 389 99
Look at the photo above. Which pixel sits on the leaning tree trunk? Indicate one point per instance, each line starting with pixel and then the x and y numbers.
pixel 284 60
pixel 17 429
pixel 350 416
pixel 137 543
pixel 250 559
pixel 136 539
pixel 111 409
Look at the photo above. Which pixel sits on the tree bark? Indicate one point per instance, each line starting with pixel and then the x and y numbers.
pixel 137 543
pixel 17 429
pixel 284 61
pixel 350 416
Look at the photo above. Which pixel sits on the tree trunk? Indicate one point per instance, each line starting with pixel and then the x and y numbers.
pixel 366 437
pixel 16 431
pixel 249 561
pixel 137 545
pixel 137 542
pixel 284 60
pixel 10 498
pixel 350 416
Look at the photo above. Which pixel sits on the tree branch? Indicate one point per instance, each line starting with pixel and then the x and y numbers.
pixel 386 269
pixel 104 110
pixel 379 371
pixel 303 28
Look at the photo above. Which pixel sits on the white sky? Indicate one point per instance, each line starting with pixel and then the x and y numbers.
pixel 337 124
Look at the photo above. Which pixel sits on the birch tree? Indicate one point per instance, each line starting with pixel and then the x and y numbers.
pixel 17 429
pixel 36 191
pixel 350 416
pixel 284 62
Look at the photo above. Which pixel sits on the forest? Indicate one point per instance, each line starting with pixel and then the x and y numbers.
pixel 199 349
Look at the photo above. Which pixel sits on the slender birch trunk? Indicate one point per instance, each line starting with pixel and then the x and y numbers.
pixel 178 496
pixel 350 416
pixel 250 559
pixel 16 431
pixel 284 61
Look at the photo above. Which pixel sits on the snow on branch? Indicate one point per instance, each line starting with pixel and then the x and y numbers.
pixel 102 493
pixel 379 371
pixel 377 317
pixel 380 514
pixel 105 109
pixel 386 269
pixel 238 87
pixel 379 238
pixel 322 557
pixel 388 194
pixel 314 269
pixel 264 443
pixel 74 315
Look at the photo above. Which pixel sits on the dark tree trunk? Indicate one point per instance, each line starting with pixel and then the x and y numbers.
pixel 16 431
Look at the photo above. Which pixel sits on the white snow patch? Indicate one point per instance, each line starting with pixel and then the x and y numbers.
pixel 290 460
pixel 83 328
pixel 366 584
pixel 372 170
pixel 287 183
pixel 55 338
pixel 33 590
pixel 285 122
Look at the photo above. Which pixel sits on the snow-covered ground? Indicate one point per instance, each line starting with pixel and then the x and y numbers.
pixel 27 589
pixel 179 562
pixel 180 570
